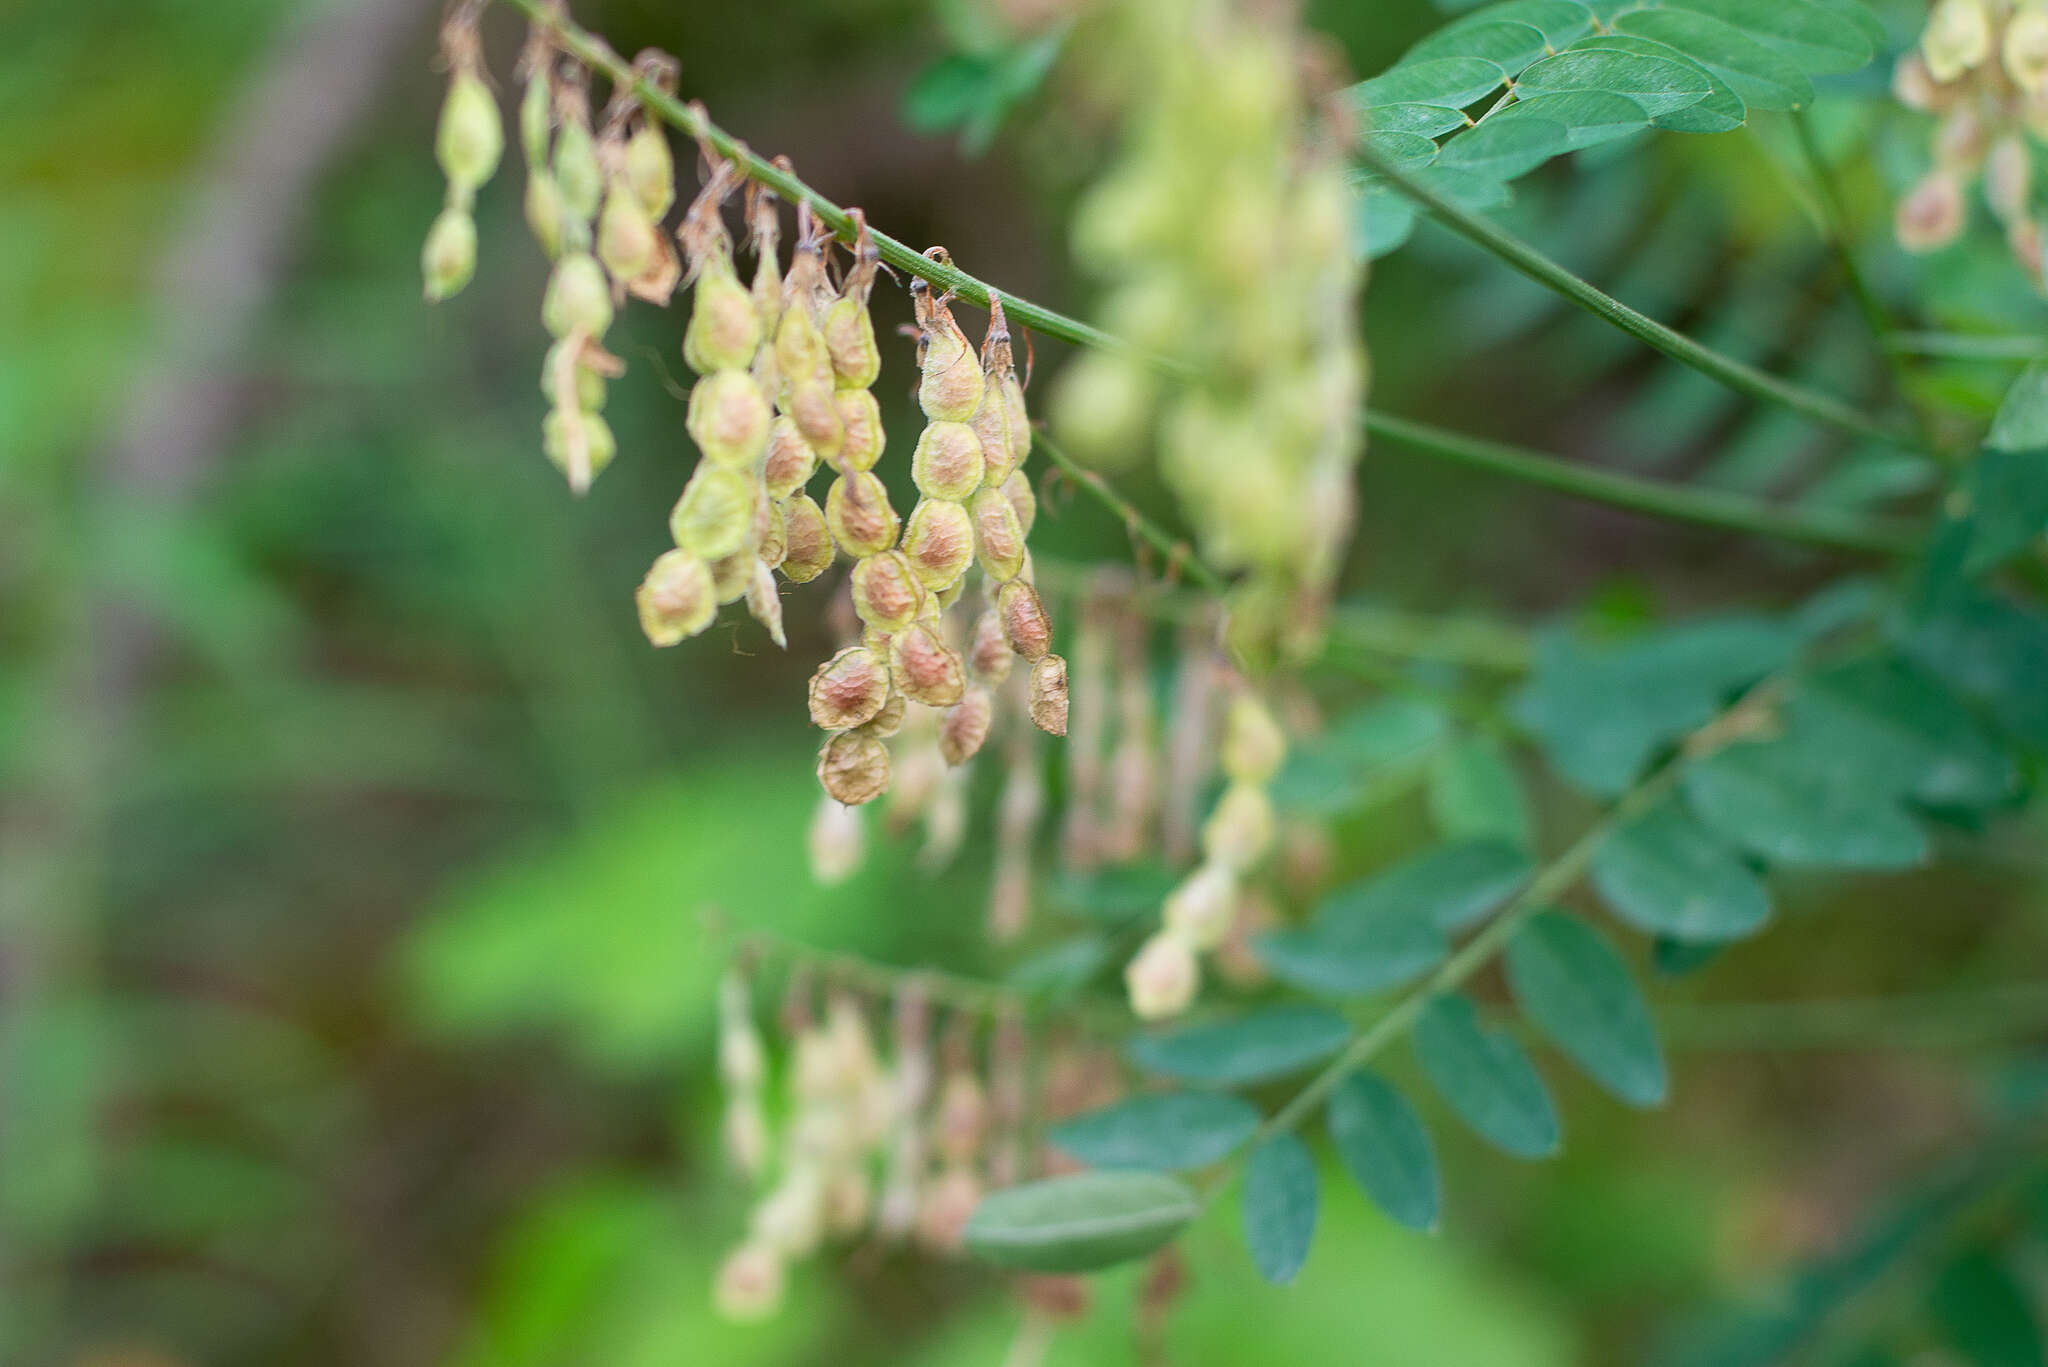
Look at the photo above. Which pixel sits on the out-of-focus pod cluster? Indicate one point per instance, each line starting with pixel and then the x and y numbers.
pixel 468 142
pixel 896 1148
pixel 1981 68
pixel 1224 228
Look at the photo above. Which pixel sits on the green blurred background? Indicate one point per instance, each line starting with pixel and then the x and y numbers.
pixel 356 1000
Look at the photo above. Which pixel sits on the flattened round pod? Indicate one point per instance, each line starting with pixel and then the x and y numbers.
pixel 543 206
pixel 598 443
pixel 848 690
pixel 470 136
pixel 947 462
pixel 1025 624
pixel 729 419
pixel 800 347
pixel 1049 694
pixel 676 599
pixel 950 388
pixel 860 420
pixel 626 241
pixel 651 168
pixel 998 540
pixel 966 726
pixel 790 461
pixel 715 515
pixel 858 512
pixel 807 542
pixel 577 174
pixel 1023 500
pixel 925 668
pixel 889 720
pixel 725 327
pixel 886 594
pixel 731 575
pixel 850 340
pixel 577 297
pixel 813 405
pixel 771 545
pixel 854 767
pixel 989 655
pixel 939 543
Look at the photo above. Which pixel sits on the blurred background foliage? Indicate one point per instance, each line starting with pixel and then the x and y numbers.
pixel 356 994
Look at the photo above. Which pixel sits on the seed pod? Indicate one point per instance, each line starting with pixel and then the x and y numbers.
pixel 771 545
pixel 889 720
pixel 1957 38
pixel 790 461
pixel 675 599
pixel 578 175
pixel 2009 177
pixel 579 444
pixel 999 420
pixel 1025 624
pixel 966 725
pixel 860 420
pixel 626 237
pixel 577 298
pixel 724 329
pixel 849 1197
pixel 2025 50
pixel 651 169
pixel 731 575
pixel 1102 408
pixel 858 512
pixel 1023 501
pixel 1239 832
pixel 837 843
pixel 729 419
pixel 792 1219
pixel 854 767
pixel 536 118
pixel 1202 908
pixel 471 135
pixel 1254 747
pixel 1162 978
pixel 764 603
pixel 1932 215
pixel 1049 694
pixel 885 592
pixel 951 384
pixel 764 228
pixel 939 543
pixel 715 515
pixel 848 690
pixel 750 1284
pixel 947 462
pixel 544 212
pixel 998 540
pixel 448 259
pixel 807 541
pixel 989 656
pixel 926 670
pixel 584 383
pixel 812 403
pixel 848 328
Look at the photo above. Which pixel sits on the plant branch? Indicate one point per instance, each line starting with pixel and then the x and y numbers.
pixel 1706 507
pixel 1743 378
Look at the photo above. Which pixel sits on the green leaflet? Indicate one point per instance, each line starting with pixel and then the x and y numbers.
pixel 1999 505
pixel 1904 732
pixel 1985 1313
pixel 1080 1223
pixel 1720 111
pixel 1475 794
pixel 1666 874
pixel 1487 1078
pixel 1385 1146
pixel 1573 987
pixel 1255 1047
pixel 1660 85
pixel 1279 1207
pixel 1158 1131
pixel 1784 803
pixel 1759 77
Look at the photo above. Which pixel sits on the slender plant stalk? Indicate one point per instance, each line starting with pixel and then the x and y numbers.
pixel 1706 507
pixel 1180 556
pixel 1743 378
pixel 1964 346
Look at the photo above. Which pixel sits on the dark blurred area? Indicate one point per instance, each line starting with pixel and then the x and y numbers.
pixel 354 998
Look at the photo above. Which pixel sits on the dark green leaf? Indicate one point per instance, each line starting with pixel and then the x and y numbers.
pixel 1162 1131
pixel 1985 1313
pixel 1661 86
pixel 1510 45
pixel 1451 886
pixel 1666 874
pixel 1676 958
pixel 1779 801
pixel 1573 987
pixel 1505 148
pixel 1405 151
pixel 1061 969
pixel 1115 896
pixel 1354 958
pixel 1279 1207
pixel 1452 81
pixel 1080 1223
pixel 1475 794
pixel 1386 1147
pixel 1994 651
pixel 1820 40
pixel 1390 731
pixel 1721 111
pixel 2004 504
pixel 1902 732
pixel 1263 1044
pixel 1759 76
pixel 1487 1079
pixel 1423 120
pixel 2022 420
pixel 1588 117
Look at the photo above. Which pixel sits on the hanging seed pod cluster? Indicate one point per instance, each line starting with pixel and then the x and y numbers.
pixel 1224 230
pixel 1981 68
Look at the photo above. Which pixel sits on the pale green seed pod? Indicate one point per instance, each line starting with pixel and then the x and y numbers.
pixel 766 230
pixel 764 603
pixel 1025 625
pixel 1163 977
pixel 943 599
pixel 471 135
pixel 989 655
pixel 626 236
pixel 1254 746
pixel 790 461
pixel 889 720
pixel 715 516
pixel 951 384
pixel 729 418
pixel 1000 420
pixel 1102 409
pixel 558 439
pixel 939 543
pixel 588 384
pixel 807 540
pixel 854 767
pixel 732 575
pixel 578 298
pixel 947 462
pixel 1957 38
pixel 676 599
pixel 651 168
pixel 860 419
pixel 536 120
pixel 448 260
pixel 850 341
pixel 800 352
pixel 858 512
pixel 1049 694
pixel 925 669
pixel 771 546
pixel 1202 908
pixel 1239 832
pixel 813 405
pixel 578 174
pixel 2025 50
pixel 965 727
pixel 886 595
pixel 848 690
pixel 544 212
pixel 998 540
pixel 724 329
pixel 1023 501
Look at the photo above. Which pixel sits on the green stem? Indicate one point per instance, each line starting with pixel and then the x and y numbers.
pixel 1743 378
pixel 1707 507
pixel 1965 346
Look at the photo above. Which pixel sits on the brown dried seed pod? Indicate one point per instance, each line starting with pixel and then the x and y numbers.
pixel 939 542
pixel 886 593
pixel 765 603
pixel 729 419
pixel 715 515
pixel 790 462
pixel 990 655
pixel 854 767
pixel 1025 624
pixel 889 720
pixel 925 668
pixel 966 725
pixel 858 512
pixel 807 541
pixel 1049 694
pixel 676 598
pixel 1023 500
pixel 998 540
pixel 947 462
pixel 860 418
pixel 732 574
pixel 848 690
